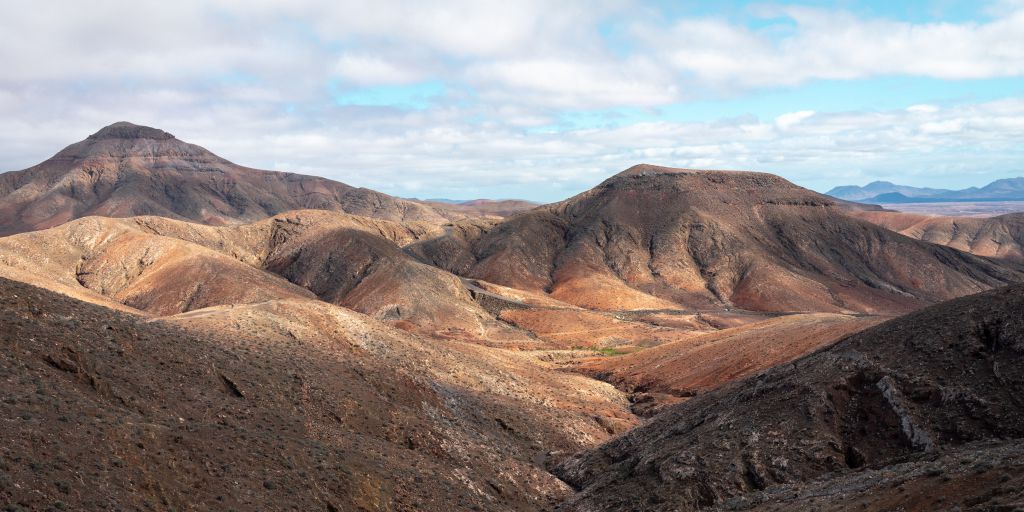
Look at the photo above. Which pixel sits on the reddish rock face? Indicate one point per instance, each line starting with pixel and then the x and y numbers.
pixel 125 170
pixel 654 237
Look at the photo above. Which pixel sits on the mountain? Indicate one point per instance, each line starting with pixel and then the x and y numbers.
pixel 277 405
pixel 919 413
pixel 883 192
pixel 1001 189
pixel 999 237
pixel 125 170
pixel 876 188
pixel 660 238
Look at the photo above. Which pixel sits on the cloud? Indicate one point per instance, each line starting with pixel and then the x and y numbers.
pixel 561 83
pixel 259 82
pixel 370 70
pixel 923 109
pixel 785 121
pixel 946 126
pixel 439 152
pixel 828 44
pixel 531 52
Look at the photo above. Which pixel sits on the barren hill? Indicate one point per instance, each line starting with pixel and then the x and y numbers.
pixel 126 170
pixel 354 262
pixel 654 237
pixel 105 260
pixel 997 237
pixel 898 415
pixel 165 266
pixel 277 405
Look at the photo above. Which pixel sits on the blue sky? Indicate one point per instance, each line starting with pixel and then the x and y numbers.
pixel 531 99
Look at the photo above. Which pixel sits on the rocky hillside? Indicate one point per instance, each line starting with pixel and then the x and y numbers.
pixel 928 401
pixel 290 404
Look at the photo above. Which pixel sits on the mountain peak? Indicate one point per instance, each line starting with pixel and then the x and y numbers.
pixel 126 130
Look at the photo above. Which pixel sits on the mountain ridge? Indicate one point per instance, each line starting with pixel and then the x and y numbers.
pixel 1006 189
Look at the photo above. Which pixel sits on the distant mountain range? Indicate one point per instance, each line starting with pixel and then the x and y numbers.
pixel 1010 189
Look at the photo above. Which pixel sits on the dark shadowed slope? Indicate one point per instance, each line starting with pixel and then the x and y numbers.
pixel 940 384
pixel 654 237
pixel 274 406
pixel 125 170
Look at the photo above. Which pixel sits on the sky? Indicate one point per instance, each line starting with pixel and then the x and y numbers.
pixel 530 99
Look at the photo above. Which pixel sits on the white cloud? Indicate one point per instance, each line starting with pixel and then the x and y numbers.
pixel 436 153
pixel 922 109
pixel 369 70
pixel 836 45
pixel 566 83
pixel 785 121
pixel 947 126
pixel 250 80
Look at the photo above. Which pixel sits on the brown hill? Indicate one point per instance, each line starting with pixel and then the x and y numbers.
pixel 930 400
pixel 996 237
pixel 358 263
pixel 126 170
pixel 165 266
pixel 274 406
pixel 370 274
pixel 105 260
pixel 656 238
pixel 671 371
